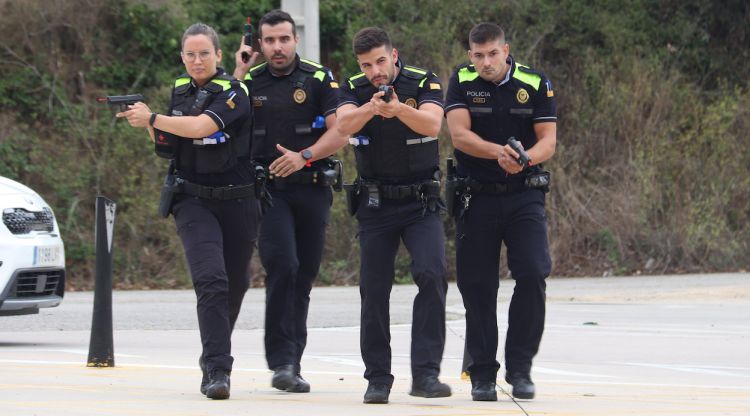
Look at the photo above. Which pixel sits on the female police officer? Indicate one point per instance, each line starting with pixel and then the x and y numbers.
pixel 207 134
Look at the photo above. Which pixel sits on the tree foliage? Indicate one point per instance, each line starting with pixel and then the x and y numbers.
pixel 652 171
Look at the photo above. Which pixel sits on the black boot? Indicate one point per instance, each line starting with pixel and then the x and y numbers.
pixel 523 387
pixel 204 380
pixel 483 391
pixel 429 387
pixel 377 393
pixel 287 378
pixel 218 384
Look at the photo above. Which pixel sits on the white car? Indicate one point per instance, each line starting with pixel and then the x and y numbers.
pixel 32 254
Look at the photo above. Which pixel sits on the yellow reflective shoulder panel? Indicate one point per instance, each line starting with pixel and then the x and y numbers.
pixel 244 88
pixel 225 85
pixel 181 81
pixel 360 75
pixel 531 79
pixel 320 75
pixel 467 74
pixel 315 64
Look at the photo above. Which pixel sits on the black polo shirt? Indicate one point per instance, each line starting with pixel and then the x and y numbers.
pixel 430 90
pixel 500 111
pixel 279 106
pixel 229 109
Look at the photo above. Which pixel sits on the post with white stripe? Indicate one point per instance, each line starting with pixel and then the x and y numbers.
pixel 101 345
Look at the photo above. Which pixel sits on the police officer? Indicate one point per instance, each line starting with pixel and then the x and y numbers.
pixel 294 104
pixel 396 148
pixel 501 201
pixel 207 134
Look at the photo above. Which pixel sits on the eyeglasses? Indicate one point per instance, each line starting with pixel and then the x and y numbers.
pixel 190 56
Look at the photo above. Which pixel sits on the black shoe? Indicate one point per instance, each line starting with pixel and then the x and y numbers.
pixel 483 391
pixel 204 380
pixel 429 387
pixel 287 378
pixel 218 385
pixel 523 387
pixel 377 393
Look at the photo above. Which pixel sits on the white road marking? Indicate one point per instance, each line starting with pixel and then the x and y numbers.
pixel 691 369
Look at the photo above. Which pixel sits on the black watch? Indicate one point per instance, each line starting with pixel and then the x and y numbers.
pixel 307 155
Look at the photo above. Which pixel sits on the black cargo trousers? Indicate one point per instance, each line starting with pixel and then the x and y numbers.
pixel 517 219
pixel 291 242
pixel 380 232
pixel 218 237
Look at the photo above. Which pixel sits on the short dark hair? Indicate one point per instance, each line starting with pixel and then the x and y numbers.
pixel 201 29
pixel 370 38
pixel 273 18
pixel 486 32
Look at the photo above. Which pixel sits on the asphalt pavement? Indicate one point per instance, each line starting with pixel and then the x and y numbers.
pixel 646 345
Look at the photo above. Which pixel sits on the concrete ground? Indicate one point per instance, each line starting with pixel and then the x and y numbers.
pixel 651 345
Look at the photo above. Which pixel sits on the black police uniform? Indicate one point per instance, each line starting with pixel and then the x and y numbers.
pixel 502 209
pixel 215 210
pixel 398 172
pixel 292 232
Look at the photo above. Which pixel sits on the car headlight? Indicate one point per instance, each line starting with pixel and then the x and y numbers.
pixel 21 221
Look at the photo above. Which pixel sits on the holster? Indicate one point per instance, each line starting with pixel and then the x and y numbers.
pixel 338 168
pixel 352 197
pixel 451 197
pixel 429 195
pixel 261 187
pixel 169 189
pixel 538 179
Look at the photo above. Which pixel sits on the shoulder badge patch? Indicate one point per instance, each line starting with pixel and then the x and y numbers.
pixel 299 96
pixel 522 96
pixel 411 102
pixel 434 86
pixel 230 102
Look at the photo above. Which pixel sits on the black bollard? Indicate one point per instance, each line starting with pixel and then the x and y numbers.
pixel 101 346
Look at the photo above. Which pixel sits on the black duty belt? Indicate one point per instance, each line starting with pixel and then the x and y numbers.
pixel 221 192
pixel 399 191
pixel 414 190
pixel 495 187
pixel 299 177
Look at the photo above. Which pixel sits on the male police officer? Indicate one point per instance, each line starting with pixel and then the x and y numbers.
pixel 499 200
pixel 397 191
pixel 295 102
pixel 207 133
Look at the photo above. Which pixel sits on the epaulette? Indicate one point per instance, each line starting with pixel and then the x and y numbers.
pixel 224 82
pixel 527 75
pixel 309 66
pixel 318 70
pixel 182 83
pixel 413 72
pixel 528 70
pixel 466 72
pixel 358 80
pixel 256 70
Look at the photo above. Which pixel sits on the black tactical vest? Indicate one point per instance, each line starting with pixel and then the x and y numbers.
pixel 285 109
pixel 395 153
pixel 193 155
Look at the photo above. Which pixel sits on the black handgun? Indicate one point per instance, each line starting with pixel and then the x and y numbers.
pixel 122 100
pixel 523 157
pixel 388 89
pixel 247 39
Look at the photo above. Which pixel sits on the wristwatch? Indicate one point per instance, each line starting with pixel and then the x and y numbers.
pixel 307 155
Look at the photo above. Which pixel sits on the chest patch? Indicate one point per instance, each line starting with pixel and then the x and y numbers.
pixel 522 96
pixel 299 96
